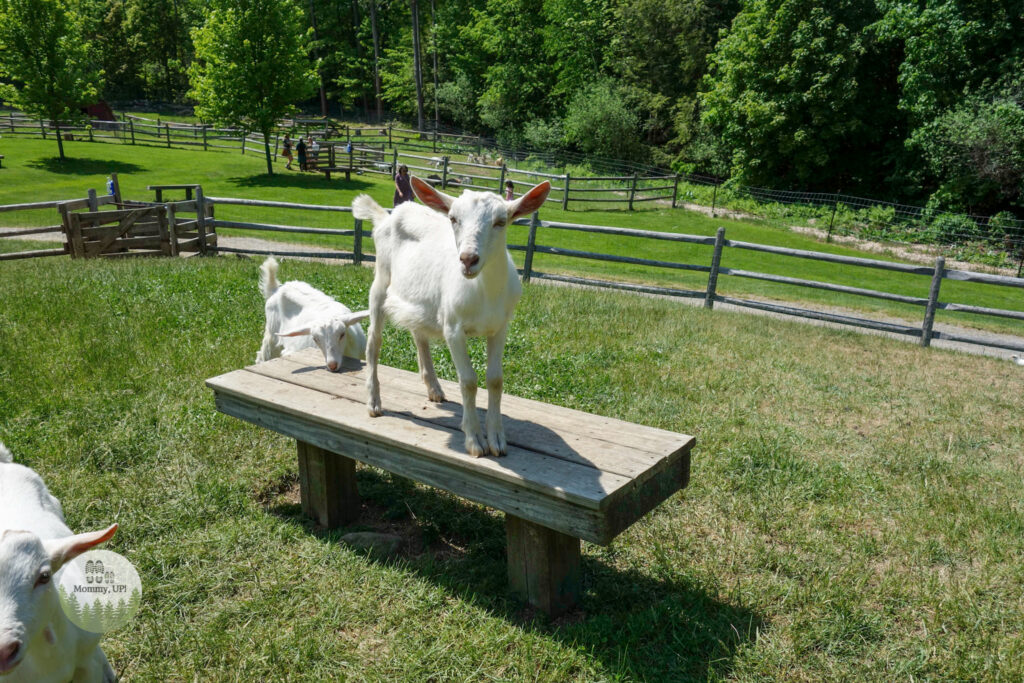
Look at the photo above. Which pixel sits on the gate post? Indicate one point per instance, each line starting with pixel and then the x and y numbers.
pixel 933 301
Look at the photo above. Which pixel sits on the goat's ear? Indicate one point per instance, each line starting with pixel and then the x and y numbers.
pixel 438 201
pixel 529 202
pixel 63 550
pixel 354 318
pixel 294 333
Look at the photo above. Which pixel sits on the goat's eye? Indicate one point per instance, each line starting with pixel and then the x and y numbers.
pixel 44 577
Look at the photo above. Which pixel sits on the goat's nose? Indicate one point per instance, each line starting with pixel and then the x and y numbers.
pixel 469 260
pixel 332 366
pixel 9 655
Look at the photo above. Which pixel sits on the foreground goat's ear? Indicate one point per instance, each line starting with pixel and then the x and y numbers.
pixel 294 333
pixel 63 550
pixel 438 201
pixel 529 202
pixel 354 318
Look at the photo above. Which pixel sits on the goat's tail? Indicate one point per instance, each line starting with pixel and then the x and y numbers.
pixel 268 277
pixel 365 208
pixel 5 454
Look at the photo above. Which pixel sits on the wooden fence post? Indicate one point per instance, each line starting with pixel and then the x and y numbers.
pixel 933 301
pixel 714 198
pixel 389 137
pixel 444 172
pixel 501 180
pixel 716 262
pixel 832 220
pixel 131 125
pixel 170 232
pixel 394 158
pixel 93 204
pixel 351 153
pixel 632 192
pixel 675 191
pixel 201 218
pixel 42 127
pixel 357 243
pixel 117 188
pixel 167 132
pixel 565 193
pixel 204 139
pixel 531 244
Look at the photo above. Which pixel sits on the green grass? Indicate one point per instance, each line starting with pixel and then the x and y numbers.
pixel 854 511
pixel 31 173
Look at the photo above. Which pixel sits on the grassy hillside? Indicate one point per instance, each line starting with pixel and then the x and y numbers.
pixel 854 511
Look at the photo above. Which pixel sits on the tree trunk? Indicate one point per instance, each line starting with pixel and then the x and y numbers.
pixel 266 149
pixel 416 65
pixel 60 139
pixel 376 58
pixel 319 70
pixel 433 44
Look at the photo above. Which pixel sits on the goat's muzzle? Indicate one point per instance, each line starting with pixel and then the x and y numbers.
pixel 469 261
pixel 10 656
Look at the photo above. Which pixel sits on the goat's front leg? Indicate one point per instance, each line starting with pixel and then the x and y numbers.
pixel 378 292
pixel 496 443
pixel 427 374
pixel 456 339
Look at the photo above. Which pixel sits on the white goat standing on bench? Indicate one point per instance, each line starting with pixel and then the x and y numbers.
pixel 445 271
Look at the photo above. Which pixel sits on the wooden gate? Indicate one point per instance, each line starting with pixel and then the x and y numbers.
pixel 141 230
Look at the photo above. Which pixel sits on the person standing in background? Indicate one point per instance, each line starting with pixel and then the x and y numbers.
pixel 403 185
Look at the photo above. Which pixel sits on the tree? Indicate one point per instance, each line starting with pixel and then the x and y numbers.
pixel 45 61
pixel 251 65
pixel 801 96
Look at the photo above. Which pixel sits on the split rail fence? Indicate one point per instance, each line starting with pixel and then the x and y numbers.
pixel 715 269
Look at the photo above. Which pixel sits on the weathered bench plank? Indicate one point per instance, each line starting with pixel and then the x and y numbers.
pixel 568 475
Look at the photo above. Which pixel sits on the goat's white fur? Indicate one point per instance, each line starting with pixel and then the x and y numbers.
pixel 300 316
pixel 442 270
pixel 38 643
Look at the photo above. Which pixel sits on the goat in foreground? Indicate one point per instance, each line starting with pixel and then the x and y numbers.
pixel 299 316
pixel 442 270
pixel 38 643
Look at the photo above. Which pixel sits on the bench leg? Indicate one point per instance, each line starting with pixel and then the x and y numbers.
pixel 327 482
pixel 543 565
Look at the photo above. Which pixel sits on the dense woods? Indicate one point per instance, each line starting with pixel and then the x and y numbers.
pixel 904 100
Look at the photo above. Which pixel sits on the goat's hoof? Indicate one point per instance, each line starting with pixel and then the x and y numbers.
pixel 496 445
pixel 374 409
pixel 435 396
pixel 474 447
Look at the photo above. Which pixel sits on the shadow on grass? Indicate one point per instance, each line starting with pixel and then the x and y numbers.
pixel 638 626
pixel 287 179
pixel 71 166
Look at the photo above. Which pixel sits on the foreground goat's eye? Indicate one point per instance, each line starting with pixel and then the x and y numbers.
pixel 44 577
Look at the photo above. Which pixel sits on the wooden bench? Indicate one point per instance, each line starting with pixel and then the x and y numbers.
pixel 568 475
pixel 328 170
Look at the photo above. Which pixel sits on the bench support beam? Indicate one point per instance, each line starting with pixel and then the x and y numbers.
pixel 543 565
pixel 327 482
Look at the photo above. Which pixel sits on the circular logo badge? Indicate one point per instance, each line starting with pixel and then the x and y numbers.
pixel 99 591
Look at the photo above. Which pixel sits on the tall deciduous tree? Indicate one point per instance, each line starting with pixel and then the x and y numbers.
pixel 251 65
pixel 45 60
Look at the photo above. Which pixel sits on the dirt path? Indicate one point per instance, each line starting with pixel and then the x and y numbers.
pixel 256 244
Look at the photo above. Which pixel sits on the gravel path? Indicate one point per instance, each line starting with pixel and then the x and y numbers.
pixel 252 243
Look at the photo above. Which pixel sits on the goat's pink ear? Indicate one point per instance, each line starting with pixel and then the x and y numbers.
pixel 529 202
pixel 354 318
pixel 63 550
pixel 438 201
pixel 294 333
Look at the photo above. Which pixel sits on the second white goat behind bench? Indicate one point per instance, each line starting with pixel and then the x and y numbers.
pixel 300 316
pixel 442 270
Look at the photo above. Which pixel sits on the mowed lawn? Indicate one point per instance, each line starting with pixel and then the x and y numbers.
pixel 31 173
pixel 854 511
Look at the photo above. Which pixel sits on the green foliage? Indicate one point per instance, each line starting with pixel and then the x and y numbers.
pixel 46 68
pixel 251 64
pixel 599 121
